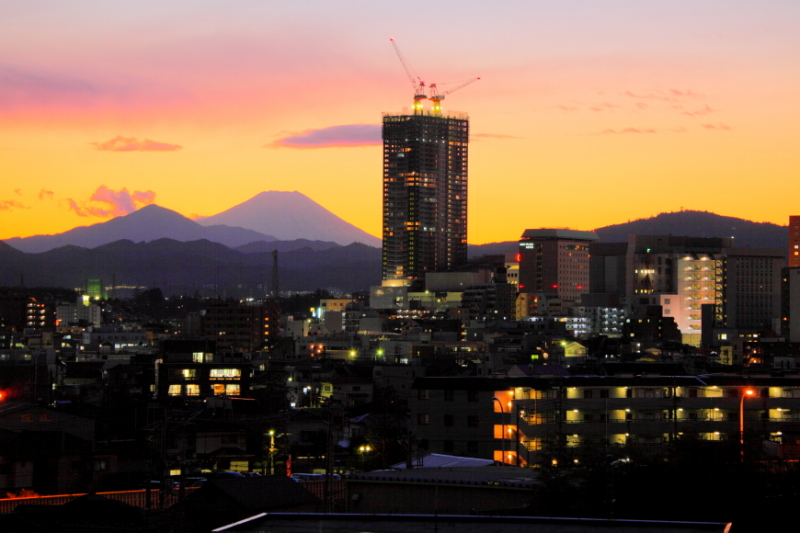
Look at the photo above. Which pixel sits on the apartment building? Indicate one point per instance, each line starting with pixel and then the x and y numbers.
pixel 513 419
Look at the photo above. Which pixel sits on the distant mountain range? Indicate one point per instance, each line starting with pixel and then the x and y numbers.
pixel 288 216
pixel 746 234
pixel 147 224
pixel 133 251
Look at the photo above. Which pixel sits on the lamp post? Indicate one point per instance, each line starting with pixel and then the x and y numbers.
pixel 745 394
pixel 503 429
pixel 272 450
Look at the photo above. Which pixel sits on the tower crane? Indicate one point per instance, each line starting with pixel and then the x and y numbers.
pixel 419 86
pixel 416 81
pixel 437 97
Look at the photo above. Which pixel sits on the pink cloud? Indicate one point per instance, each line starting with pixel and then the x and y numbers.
pixel 131 144
pixel 73 205
pixel 8 205
pixel 567 108
pixel 111 203
pixel 642 105
pixel 348 135
pixel 46 194
pixel 719 126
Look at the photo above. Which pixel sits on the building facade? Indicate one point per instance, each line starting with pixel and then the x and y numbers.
pixel 555 261
pixel 241 328
pixel 515 419
pixel 424 195
pixel 790 304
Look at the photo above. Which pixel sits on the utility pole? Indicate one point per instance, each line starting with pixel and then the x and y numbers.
pixel 335 412
pixel 275 274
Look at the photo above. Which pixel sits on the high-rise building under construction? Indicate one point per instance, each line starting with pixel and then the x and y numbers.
pixel 424 194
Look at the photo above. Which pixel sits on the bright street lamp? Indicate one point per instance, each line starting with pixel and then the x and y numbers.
pixel 746 393
pixel 364 450
pixel 272 450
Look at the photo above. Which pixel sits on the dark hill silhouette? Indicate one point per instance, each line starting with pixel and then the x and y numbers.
pixel 746 233
pixel 284 246
pixel 147 224
pixel 186 267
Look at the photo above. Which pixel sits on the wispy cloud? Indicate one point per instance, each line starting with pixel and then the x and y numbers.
pixel 18 192
pixel 720 126
pixel 73 206
pixel 603 106
pixel 106 202
pixel 667 95
pixel 46 194
pixel 628 130
pixel 8 205
pixel 24 87
pixel 567 107
pixel 347 135
pixel 480 136
pixel 705 110
pixel 131 144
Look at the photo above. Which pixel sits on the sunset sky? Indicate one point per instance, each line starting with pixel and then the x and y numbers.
pixel 588 113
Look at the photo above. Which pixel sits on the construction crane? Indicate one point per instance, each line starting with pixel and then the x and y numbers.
pixel 419 86
pixel 416 81
pixel 437 97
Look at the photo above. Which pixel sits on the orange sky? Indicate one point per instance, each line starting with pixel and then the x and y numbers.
pixel 587 113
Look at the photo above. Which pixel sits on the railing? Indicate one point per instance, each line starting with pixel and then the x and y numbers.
pixel 317 488
pixel 137 498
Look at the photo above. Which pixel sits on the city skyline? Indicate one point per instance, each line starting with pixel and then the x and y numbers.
pixel 586 115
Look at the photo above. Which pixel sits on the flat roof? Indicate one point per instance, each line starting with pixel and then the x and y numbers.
pixel 570 234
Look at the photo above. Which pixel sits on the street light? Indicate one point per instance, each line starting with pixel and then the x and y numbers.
pixel 745 394
pixel 364 450
pixel 503 429
pixel 272 450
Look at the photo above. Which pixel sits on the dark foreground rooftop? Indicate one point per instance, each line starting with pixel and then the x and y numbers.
pixel 355 523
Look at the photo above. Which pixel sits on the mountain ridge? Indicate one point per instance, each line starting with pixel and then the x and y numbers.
pixel 689 223
pixel 291 215
pixel 149 223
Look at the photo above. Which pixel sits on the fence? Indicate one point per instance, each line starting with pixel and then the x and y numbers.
pixel 137 498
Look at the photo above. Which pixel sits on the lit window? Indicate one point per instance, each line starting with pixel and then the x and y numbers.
pixel 225 373
pixel 174 390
